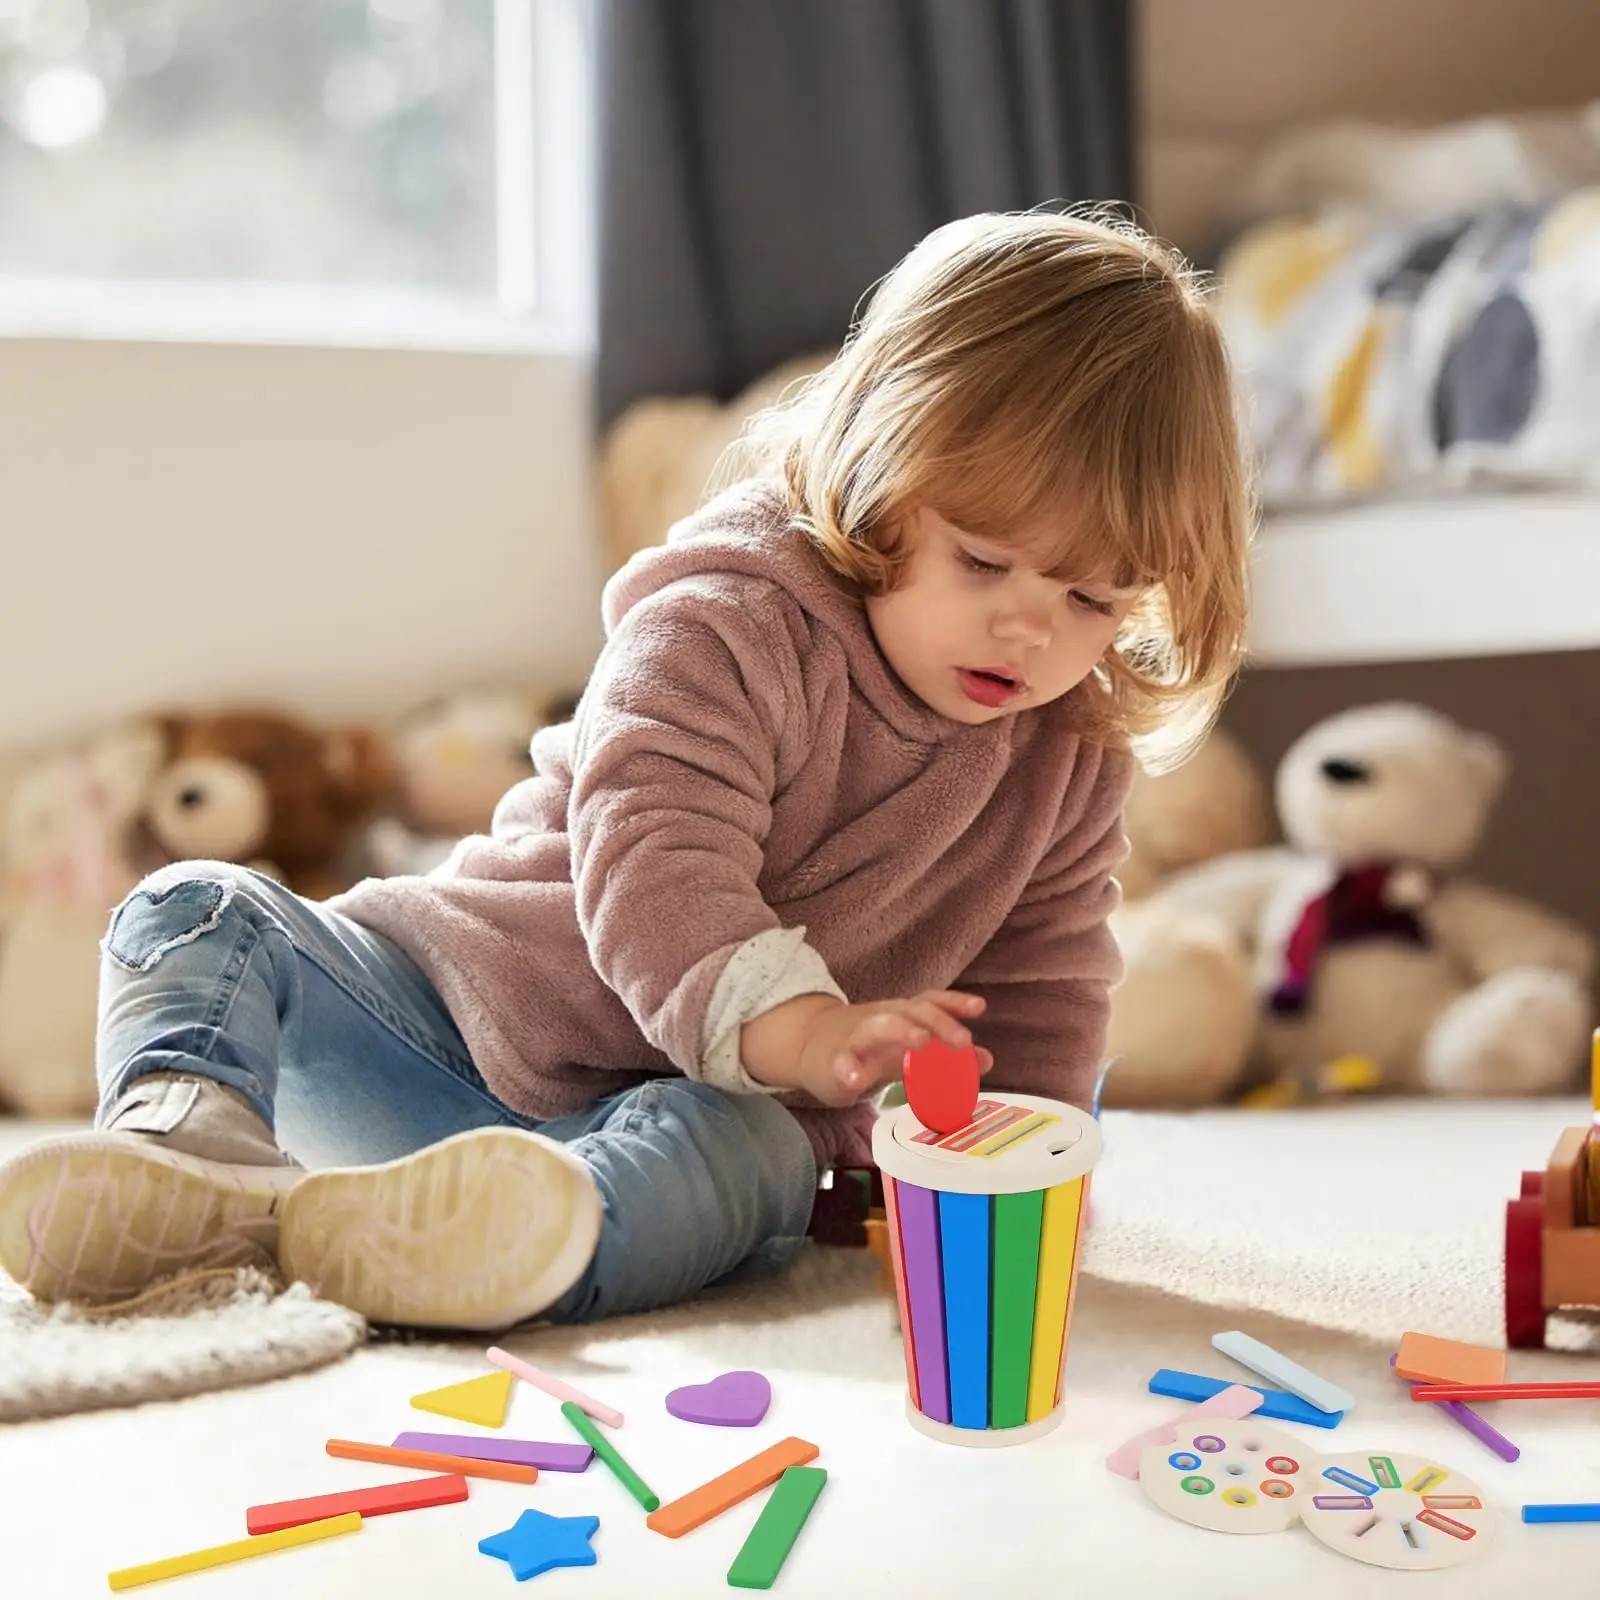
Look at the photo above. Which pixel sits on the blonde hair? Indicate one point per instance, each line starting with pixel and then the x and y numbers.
pixel 1013 367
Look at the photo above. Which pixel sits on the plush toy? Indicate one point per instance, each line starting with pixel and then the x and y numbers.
pixel 1453 168
pixel 267 791
pixel 1214 803
pixel 1364 939
pixel 658 456
pixel 66 849
pixel 1178 962
pixel 454 759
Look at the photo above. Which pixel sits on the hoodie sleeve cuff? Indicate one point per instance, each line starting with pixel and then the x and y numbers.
pixel 763 972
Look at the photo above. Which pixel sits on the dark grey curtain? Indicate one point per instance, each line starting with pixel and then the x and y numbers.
pixel 763 162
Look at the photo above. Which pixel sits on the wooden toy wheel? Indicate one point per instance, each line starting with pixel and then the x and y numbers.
pixel 1524 1294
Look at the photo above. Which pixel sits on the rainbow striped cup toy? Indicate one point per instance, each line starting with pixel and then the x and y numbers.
pixel 984 1227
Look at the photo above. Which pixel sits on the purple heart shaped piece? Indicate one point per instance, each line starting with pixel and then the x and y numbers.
pixel 734 1400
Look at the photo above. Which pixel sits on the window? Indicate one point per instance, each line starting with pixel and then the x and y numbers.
pixel 323 168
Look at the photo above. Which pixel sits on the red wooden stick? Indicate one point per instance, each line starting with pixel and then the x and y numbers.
pixel 1506 1391
pixel 411 1494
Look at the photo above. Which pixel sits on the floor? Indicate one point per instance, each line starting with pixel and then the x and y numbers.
pixel 901 1515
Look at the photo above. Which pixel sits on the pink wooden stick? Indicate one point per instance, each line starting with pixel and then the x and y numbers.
pixel 554 1386
pixel 1233 1402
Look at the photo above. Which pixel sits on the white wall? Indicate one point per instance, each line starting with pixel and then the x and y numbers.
pixel 339 531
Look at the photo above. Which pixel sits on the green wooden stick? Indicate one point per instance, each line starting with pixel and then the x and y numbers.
pixel 603 1447
pixel 764 1552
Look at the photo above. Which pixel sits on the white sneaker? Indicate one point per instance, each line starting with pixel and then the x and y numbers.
pixel 101 1216
pixel 182 1176
pixel 480 1231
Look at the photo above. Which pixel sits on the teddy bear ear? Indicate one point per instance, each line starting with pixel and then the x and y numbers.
pixel 1488 761
pixel 361 765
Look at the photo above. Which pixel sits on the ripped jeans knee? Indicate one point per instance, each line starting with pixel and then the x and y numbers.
pixel 173 907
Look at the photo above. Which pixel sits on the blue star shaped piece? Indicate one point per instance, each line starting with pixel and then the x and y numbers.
pixel 536 1542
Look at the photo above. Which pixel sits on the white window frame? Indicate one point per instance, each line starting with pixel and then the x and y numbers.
pixel 545 240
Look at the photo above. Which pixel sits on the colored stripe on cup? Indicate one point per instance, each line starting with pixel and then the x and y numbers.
pixel 964 1251
pixel 1057 1249
pixel 891 1208
pixel 919 1242
pixel 1018 1219
pixel 1082 1185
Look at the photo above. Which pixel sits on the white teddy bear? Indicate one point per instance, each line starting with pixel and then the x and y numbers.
pixel 1363 939
pixel 65 832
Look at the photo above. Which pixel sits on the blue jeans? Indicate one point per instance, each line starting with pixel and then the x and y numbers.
pixel 346 1050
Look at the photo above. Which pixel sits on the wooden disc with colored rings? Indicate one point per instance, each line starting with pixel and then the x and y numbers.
pixel 1229 1476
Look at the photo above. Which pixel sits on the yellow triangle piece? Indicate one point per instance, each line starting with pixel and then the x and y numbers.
pixel 481 1400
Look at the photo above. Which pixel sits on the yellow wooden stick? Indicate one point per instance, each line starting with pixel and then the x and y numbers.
pixel 1594 1073
pixel 219 1555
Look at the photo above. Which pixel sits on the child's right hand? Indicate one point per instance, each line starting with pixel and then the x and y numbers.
pixel 848 1051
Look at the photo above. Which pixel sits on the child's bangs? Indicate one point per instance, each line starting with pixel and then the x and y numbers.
pixel 1128 523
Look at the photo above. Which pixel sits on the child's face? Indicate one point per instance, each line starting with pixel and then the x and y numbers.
pixel 977 632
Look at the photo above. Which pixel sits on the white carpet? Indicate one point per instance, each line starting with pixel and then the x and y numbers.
pixel 901 1515
pixel 1369 1218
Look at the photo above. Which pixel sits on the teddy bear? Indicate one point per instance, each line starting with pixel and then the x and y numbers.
pixel 454 758
pixel 1216 801
pixel 1180 962
pixel 66 858
pixel 266 790
pixel 657 458
pixel 1364 938
pixel 82 825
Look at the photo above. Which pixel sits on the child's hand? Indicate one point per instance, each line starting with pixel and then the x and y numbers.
pixel 847 1052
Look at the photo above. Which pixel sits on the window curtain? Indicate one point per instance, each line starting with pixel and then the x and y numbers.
pixel 764 162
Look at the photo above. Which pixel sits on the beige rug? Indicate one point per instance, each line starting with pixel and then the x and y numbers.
pixel 216 1331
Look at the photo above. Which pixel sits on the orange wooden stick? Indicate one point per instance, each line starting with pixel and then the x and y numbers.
pixel 686 1513
pixel 467 1466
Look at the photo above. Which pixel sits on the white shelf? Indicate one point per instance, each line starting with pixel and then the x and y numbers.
pixel 1409 580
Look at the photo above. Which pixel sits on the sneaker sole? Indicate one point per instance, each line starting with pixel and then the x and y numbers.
pixel 480 1231
pixel 99 1217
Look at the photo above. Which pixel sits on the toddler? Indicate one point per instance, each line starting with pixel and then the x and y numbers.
pixel 848 776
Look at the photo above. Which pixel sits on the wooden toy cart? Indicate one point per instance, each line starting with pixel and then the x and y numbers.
pixel 1553 1234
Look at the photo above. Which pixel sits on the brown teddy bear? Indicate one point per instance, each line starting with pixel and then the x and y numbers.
pixel 79 826
pixel 268 791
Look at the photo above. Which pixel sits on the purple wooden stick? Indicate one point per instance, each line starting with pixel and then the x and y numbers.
pixel 520 1452
pixel 1475 1425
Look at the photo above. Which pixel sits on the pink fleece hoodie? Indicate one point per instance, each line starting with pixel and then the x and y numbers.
pixel 744 760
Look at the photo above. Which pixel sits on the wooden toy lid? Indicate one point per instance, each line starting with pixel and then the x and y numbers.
pixel 1015 1143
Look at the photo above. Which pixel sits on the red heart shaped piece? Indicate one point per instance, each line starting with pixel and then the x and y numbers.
pixel 942 1085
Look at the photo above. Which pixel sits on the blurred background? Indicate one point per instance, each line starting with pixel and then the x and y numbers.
pixel 347 345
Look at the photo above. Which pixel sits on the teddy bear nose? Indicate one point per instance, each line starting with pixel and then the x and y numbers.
pixel 1338 770
pixel 191 797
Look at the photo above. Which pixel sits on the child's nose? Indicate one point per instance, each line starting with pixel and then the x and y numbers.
pixel 1028 625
